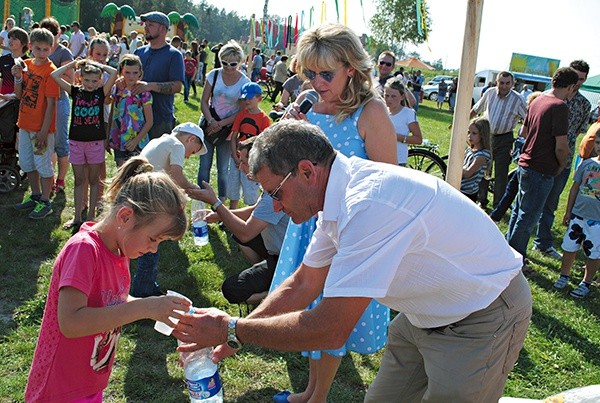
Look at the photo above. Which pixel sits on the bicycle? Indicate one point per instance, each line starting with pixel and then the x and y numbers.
pixel 425 158
pixel 267 86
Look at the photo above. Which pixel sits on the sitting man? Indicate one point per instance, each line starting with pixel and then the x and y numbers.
pixel 258 229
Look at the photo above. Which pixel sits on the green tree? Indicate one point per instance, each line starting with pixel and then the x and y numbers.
pixel 395 22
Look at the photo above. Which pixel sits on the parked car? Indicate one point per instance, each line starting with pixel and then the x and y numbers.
pixel 430 91
pixel 438 79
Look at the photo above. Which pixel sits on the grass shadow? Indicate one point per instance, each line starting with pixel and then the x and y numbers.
pixel 35 243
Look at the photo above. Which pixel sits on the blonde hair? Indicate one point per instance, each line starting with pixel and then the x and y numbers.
pixel 323 48
pixel 231 48
pixel 89 67
pixel 149 194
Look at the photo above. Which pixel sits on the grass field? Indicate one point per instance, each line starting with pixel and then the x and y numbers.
pixel 561 349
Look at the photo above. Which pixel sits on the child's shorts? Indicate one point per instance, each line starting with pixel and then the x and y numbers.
pixel 29 160
pixel 585 234
pixel 86 152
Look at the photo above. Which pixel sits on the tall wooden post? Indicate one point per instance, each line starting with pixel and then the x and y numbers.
pixel 465 92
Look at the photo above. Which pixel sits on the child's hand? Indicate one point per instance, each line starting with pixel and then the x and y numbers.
pixel 17 71
pixel 566 219
pixel 165 306
pixel 130 145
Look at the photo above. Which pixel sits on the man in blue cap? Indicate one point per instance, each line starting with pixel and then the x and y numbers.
pixel 163 72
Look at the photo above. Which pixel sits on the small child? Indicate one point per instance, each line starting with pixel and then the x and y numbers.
pixel 582 217
pixel 87 131
pixel 37 123
pixel 131 115
pixel 88 300
pixel 115 52
pixel 18 44
pixel 477 157
pixel 191 69
pixel 167 154
pixel 249 122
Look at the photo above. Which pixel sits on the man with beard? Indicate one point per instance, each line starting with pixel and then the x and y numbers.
pixel 163 72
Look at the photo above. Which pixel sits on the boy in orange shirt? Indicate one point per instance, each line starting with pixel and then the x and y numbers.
pixel 249 122
pixel 38 93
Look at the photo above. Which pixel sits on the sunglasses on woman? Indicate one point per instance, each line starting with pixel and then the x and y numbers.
pixel 325 75
pixel 230 64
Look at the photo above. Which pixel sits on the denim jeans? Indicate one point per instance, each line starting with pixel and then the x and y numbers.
pixel 534 188
pixel 144 282
pixel 543 239
pixel 452 101
pixel 417 95
pixel 61 136
pixel 206 160
pixel 186 87
pixel 512 188
pixel 501 147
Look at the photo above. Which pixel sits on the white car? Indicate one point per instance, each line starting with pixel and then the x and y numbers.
pixel 430 91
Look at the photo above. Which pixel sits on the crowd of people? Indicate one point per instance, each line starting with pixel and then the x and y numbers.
pixel 366 234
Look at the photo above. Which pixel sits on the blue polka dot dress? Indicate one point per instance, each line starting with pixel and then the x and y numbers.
pixel 370 333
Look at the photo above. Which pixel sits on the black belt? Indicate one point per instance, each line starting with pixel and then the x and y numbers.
pixel 503 134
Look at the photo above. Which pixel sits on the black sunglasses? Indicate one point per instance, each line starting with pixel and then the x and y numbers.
pixel 381 63
pixel 230 64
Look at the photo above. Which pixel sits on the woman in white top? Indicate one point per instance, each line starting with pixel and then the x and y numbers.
pixel 8 25
pixel 224 100
pixel 404 118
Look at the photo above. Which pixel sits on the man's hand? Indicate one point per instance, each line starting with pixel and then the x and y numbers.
pixel 222 351
pixel 207 327
pixel 207 195
pixel 140 87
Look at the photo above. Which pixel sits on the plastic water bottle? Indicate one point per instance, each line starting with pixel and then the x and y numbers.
pixel 199 226
pixel 202 376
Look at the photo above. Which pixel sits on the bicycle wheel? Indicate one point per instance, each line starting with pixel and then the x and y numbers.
pixel 426 161
pixel 266 88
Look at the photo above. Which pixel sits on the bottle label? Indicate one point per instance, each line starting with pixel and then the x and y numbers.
pixel 200 230
pixel 204 388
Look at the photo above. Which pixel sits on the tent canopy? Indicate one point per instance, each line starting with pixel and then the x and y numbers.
pixel 414 63
pixel 592 84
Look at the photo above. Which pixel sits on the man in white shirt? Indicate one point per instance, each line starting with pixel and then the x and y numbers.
pixel 403 237
pixel 77 45
pixel 133 45
pixel 503 107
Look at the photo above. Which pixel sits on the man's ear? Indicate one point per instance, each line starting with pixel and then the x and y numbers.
pixel 306 169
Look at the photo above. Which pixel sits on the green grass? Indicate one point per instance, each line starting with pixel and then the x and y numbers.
pixel 561 349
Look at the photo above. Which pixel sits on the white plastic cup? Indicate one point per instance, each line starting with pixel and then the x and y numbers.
pixel 164 328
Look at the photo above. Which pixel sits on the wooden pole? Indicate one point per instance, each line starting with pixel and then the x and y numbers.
pixel 464 95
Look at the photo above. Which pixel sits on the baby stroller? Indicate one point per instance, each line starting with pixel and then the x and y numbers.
pixel 10 172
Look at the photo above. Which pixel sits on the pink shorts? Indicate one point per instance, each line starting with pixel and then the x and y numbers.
pixel 86 152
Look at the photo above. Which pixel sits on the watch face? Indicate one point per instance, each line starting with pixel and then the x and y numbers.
pixel 233 344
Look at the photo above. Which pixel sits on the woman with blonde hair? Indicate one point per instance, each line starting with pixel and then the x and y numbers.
pixel 356 121
pixel 220 104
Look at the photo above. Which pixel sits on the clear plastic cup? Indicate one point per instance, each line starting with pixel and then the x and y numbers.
pixel 164 328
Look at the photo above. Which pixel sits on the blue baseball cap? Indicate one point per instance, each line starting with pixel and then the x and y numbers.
pixel 156 16
pixel 250 90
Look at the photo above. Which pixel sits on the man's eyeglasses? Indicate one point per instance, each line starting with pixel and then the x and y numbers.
pixel 273 194
pixel 383 62
pixel 230 64
pixel 325 75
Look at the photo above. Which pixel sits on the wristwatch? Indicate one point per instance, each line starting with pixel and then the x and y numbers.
pixel 232 340
pixel 216 205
